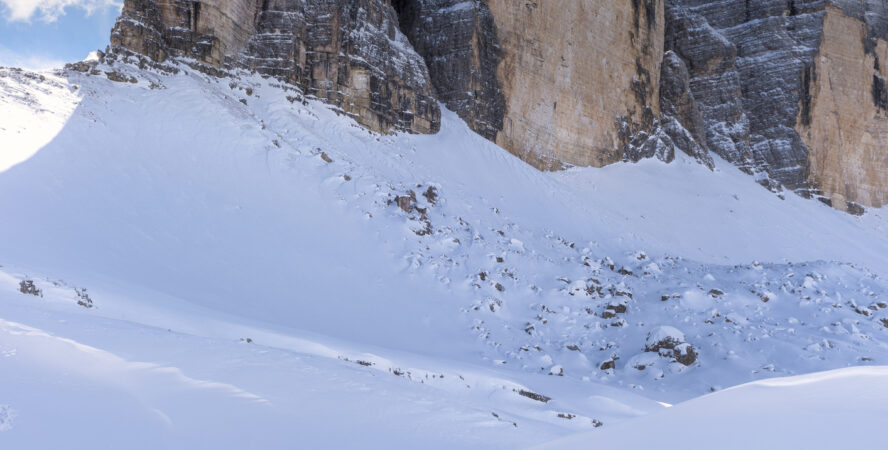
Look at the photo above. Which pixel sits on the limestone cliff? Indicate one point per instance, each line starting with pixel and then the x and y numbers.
pixel 792 90
pixel 845 121
pixel 207 30
pixel 459 41
pixel 554 82
pixel 580 77
pixel 349 53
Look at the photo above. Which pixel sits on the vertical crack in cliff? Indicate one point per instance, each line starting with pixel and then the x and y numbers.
pixel 649 8
pixel 193 15
pixel 808 77
pixel 407 11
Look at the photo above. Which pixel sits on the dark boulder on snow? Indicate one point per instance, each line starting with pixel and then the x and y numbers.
pixel 669 341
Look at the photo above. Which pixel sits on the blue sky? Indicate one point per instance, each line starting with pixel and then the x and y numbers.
pixel 39 34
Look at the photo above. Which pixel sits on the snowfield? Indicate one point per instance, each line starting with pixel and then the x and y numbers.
pixel 824 410
pixel 201 262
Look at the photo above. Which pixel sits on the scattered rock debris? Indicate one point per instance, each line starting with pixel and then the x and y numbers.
pixel 534 396
pixel 28 287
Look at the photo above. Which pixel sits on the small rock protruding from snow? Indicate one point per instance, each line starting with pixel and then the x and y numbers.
pixel 29 288
pixel 685 354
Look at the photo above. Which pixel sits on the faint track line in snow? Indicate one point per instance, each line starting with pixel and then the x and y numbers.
pixel 7 414
pixel 92 363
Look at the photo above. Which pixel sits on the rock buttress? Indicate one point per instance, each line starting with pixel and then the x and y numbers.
pixel 349 53
pixel 843 119
pixel 791 90
pixel 458 40
pixel 580 77
pixel 556 83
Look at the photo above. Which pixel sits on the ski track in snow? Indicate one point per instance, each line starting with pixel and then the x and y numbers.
pixel 234 234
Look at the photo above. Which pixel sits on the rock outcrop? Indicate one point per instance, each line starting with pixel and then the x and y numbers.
pixel 458 40
pixel 790 90
pixel 349 53
pixel 556 83
pixel 845 123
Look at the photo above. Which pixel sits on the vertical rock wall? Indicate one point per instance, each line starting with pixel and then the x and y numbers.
pixel 458 40
pixel 554 82
pixel 207 30
pixel 845 125
pixel 791 90
pixel 580 77
pixel 349 53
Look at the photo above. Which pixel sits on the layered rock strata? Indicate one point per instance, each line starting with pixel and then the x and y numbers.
pixel 556 83
pixel 790 90
pixel 458 40
pixel 349 53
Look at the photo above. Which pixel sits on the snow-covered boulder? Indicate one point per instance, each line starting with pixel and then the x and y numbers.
pixel 670 341
pixel 663 337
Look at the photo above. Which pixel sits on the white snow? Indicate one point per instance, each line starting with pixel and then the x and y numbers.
pixel 838 409
pixel 254 283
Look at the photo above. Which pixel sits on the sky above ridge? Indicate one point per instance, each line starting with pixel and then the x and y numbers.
pixel 42 34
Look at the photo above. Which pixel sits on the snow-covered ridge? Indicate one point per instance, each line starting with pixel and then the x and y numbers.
pixel 207 210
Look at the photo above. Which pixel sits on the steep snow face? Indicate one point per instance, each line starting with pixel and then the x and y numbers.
pixel 209 210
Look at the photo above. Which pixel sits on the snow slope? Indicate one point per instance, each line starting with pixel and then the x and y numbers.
pixel 429 279
pixel 836 409
pixel 108 383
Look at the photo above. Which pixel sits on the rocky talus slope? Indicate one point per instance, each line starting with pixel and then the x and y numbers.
pixel 793 92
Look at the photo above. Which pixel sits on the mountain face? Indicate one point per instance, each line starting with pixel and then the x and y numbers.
pixel 794 90
pixel 208 248
pixel 348 53
pixel 556 83
pixel 200 262
pixel 791 91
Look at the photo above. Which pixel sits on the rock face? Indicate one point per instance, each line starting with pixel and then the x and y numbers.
pixel 845 128
pixel 790 90
pixel 553 82
pixel 207 31
pixel 458 40
pixel 680 116
pixel 349 53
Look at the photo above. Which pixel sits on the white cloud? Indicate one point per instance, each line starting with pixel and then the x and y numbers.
pixel 51 10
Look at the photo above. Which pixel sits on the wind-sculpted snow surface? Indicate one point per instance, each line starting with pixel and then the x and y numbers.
pixel 192 215
pixel 823 410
